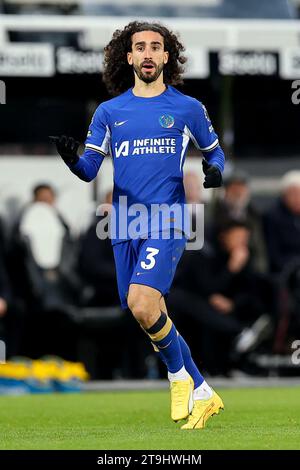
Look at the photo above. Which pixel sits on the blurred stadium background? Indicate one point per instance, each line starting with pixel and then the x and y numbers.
pixel 58 292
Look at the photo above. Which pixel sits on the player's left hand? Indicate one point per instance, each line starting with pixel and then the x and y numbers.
pixel 213 176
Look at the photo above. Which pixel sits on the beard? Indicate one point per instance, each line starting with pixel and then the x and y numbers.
pixel 150 76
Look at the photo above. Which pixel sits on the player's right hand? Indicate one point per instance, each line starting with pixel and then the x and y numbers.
pixel 67 147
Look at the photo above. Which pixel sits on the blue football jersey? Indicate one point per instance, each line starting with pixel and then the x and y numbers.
pixel 147 139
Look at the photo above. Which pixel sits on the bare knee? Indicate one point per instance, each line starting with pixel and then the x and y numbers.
pixel 143 308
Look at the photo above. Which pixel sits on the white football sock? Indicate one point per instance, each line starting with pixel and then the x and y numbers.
pixel 203 392
pixel 182 374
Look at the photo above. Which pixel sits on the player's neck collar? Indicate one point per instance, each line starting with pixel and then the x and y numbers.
pixel 149 97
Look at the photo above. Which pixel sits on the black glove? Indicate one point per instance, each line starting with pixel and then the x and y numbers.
pixel 213 176
pixel 67 148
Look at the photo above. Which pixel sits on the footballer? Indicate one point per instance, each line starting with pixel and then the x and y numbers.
pixel 145 128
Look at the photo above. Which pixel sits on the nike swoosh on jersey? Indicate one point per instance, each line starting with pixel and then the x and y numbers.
pixel 120 123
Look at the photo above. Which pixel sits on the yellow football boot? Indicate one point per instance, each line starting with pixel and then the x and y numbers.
pixel 202 411
pixel 181 398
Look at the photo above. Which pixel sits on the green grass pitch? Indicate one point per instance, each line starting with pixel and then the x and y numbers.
pixel 253 419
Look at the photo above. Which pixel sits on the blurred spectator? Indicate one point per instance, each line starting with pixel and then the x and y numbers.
pixel 11 306
pixel 44 228
pixel 42 263
pixel 97 267
pixel 44 192
pixel 8 329
pixel 219 290
pixel 235 204
pixel 282 225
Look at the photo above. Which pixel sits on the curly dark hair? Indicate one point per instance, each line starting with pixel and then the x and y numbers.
pixel 118 74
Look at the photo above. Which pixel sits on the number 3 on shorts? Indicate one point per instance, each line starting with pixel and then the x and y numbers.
pixel 150 257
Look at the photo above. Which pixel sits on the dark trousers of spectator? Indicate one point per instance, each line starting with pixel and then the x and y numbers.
pixel 210 333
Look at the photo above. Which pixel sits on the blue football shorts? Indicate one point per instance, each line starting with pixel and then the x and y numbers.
pixel 151 262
